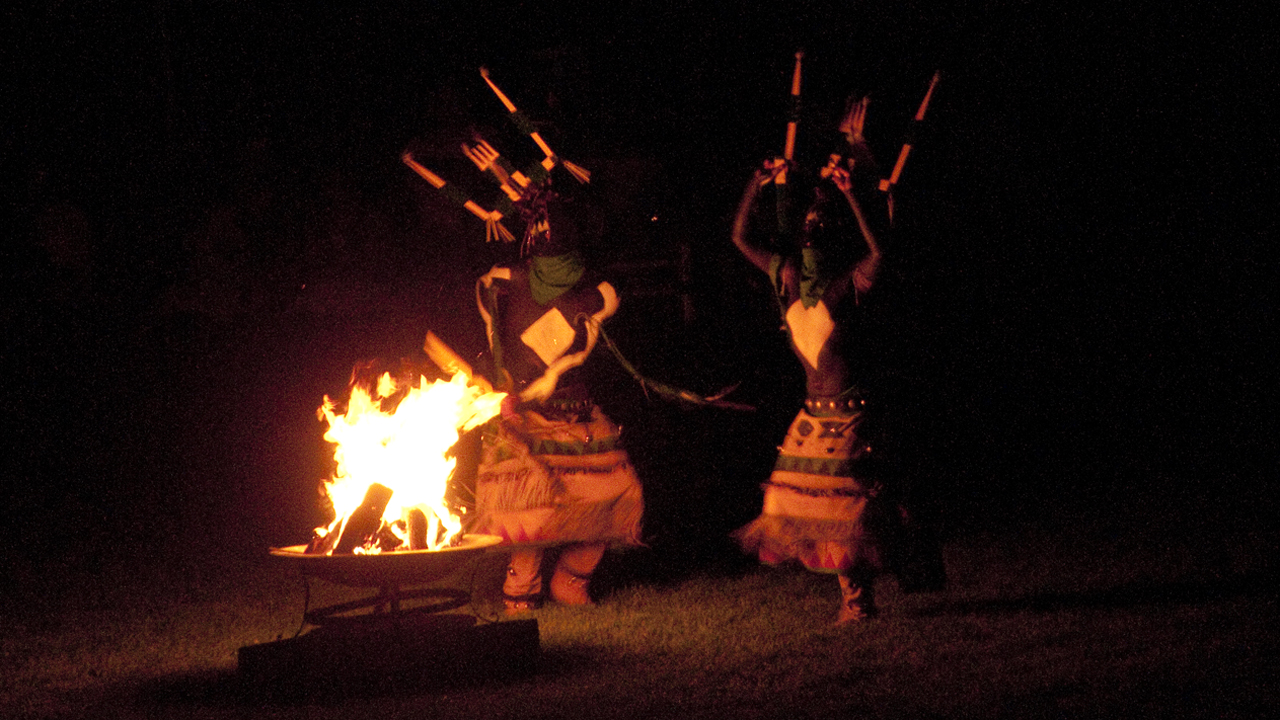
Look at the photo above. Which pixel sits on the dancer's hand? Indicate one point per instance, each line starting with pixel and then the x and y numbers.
pixel 770 171
pixel 840 176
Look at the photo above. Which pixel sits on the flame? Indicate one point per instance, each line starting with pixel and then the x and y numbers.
pixel 406 450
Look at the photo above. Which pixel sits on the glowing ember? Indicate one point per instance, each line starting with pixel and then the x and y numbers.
pixel 400 457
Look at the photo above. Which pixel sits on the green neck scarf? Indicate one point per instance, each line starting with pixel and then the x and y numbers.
pixel 550 277
pixel 813 282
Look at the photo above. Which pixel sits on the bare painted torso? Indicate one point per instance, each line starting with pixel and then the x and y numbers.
pixel 818 334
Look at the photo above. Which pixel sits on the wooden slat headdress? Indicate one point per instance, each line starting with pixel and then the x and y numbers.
pixel 520 189
pixel 494 229
pixel 851 127
pixel 886 185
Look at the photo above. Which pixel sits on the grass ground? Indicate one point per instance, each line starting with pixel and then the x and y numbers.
pixel 1153 603
pixel 1149 612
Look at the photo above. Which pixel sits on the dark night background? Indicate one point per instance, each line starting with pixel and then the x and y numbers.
pixel 207 224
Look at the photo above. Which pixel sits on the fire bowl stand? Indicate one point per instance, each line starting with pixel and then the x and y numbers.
pixel 392 649
pixel 389 602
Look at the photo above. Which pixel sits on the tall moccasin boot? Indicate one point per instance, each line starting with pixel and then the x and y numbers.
pixel 857 599
pixel 572 578
pixel 522 590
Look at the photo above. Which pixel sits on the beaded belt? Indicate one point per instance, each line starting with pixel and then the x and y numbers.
pixel 824 406
pixel 565 408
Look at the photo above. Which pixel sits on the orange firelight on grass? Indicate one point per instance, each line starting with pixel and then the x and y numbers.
pixel 406 450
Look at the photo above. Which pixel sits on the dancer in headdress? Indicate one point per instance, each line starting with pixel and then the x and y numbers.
pixel 553 473
pixel 824 504
pixel 553 479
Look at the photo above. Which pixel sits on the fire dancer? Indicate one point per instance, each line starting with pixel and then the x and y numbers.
pixel 821 500
pixel 552 475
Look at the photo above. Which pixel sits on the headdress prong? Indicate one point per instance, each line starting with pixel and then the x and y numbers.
pixel 525 125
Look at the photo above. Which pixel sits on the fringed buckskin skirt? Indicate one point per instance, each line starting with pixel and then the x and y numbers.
pixel 545 481
pixel 817 508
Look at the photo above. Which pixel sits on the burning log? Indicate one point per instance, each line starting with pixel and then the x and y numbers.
pixel 321 542
pixel 390 537
pixel 364 520
pixel 418 539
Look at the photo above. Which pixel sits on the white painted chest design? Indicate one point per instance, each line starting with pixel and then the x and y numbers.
pixel 549 336
pixel 810 329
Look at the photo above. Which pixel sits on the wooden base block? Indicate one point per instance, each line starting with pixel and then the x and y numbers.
pixel 389 655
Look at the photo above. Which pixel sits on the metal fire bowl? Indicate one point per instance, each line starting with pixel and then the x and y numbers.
pixel 403 567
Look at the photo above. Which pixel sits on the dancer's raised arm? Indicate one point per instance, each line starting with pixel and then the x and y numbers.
pixel 741 222
pixel 864 273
